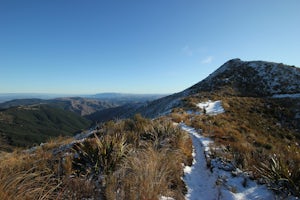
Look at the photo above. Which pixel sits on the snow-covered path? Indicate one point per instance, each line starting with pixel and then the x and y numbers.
pixel 200 181
pixel 220 181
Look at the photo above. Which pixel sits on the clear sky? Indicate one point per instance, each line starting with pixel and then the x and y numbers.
pixel 137 46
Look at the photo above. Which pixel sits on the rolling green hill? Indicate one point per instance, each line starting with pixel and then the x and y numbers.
pixel 28 125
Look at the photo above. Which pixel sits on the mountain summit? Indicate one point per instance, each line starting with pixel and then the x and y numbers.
pixel 233 78
pixel 252 78
pixel 236 78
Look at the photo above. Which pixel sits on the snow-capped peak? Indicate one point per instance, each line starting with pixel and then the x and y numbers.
pixel 252 78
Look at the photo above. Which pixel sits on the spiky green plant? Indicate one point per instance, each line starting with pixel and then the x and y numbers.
pixel 99 155
pixel 278 175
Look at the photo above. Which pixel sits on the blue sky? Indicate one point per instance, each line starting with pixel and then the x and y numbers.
pixel 137 46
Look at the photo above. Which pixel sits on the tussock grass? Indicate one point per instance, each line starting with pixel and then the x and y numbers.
pixel 24 176
pixel 251 132
pixel 99 155
pixel 78 188
pixel 130 159
pixel 279 175
pixel 31 184
pixel 148 174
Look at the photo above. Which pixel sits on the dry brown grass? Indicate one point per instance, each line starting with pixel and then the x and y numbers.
pixel 148 174
pixel 153 165
pixel 41 175
pixel 31 184
pixel 25 176
pixel 124 160
pixel 251 131
pixel 53 143
pixel 179 115
pixel 78 188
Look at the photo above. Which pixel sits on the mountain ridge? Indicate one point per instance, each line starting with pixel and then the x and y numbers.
pixel 234 78
pixel 252 78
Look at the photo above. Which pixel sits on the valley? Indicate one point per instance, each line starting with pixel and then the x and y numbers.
pixel 27 122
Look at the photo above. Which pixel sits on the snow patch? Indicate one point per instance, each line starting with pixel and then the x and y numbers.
pixel 276 76
pixel 222 180
pixel 296 95
pixel 166 198
pixel 212 107
pixel 79 138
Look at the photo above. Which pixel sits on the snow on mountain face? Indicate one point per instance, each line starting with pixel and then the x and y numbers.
pixel 253 78
pixel 296 95
pixel 278 78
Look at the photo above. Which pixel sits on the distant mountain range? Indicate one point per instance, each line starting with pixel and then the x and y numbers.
pixel 120 98
pixel 13 96
pixel 24 122
pixel 82 106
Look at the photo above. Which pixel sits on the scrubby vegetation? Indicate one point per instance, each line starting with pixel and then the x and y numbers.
pixel 129 159
pixel 258 135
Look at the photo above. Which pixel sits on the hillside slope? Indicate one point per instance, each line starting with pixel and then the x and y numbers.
pixel 234 78
pixel 82 106
pixel 28 125
pixel 253 78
